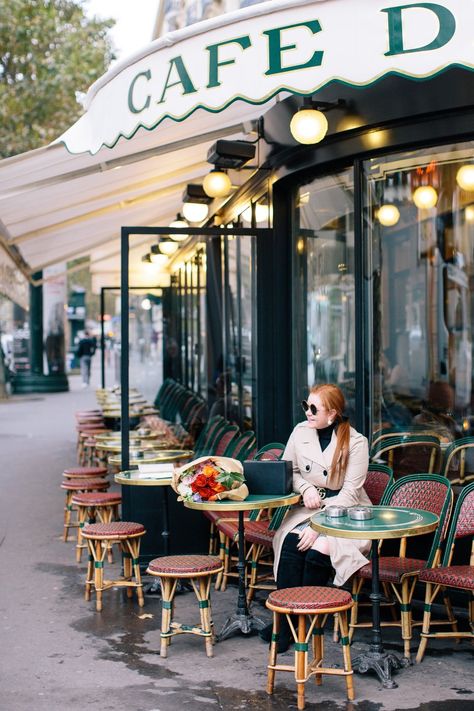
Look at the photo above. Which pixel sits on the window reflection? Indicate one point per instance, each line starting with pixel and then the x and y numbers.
pixel 419 222
pixel 323 305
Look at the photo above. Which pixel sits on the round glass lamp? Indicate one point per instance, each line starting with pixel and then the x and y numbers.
pixel 158 259
pixel 195 211
pixel 168 247
pixel 309 126
pixel 469 214
pixel 217 184
pixel 465 177
pixel 178 223
pixel 425 197
pixel 388 215
pixel 261 213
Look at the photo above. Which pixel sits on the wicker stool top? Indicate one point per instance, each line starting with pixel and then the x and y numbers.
pixel 84 484
pixel 115 529
pixel 78 472
pixel 184 565
pixel 309 599
pixel 96 499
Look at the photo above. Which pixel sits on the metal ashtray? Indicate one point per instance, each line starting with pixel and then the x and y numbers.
pixel 335 511
pixel 360 513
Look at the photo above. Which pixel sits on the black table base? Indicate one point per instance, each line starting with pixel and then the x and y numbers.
pixel 242 620
pixel 376 658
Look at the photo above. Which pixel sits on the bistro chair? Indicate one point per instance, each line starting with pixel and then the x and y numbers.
pixel 84 472
pixel 409 454
pixel 241 447
pixel 100 537
pixel 399 574
pixel 314 603
pixel 458 464
pixel 448 576
pixel 379 478
pixel 198 569
pixel 78 486
pixel 92 506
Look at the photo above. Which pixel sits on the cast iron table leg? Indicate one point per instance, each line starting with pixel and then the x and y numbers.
pixel 154 588
pixel 242 620
pixel 376 658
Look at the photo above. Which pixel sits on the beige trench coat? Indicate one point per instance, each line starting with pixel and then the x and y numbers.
pixel 309 467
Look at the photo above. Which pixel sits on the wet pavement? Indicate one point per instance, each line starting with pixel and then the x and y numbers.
pixel 58 653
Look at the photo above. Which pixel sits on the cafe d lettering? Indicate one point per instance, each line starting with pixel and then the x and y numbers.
pixel 146 87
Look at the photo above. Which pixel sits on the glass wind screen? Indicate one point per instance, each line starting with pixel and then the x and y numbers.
pixel 419 222
pixel 323 305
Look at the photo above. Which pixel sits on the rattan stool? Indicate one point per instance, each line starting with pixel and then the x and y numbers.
pixel 315 603
pixel 199 569
pixel 92 506
pixel 99 537
pixel 78 486
pixel 84 472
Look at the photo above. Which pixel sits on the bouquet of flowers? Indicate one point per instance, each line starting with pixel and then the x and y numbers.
pixel 210 479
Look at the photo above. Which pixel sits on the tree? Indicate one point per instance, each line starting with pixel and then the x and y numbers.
pixel 50 52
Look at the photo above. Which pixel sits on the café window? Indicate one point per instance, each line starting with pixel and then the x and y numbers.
pixel 323 295
pixel 419 224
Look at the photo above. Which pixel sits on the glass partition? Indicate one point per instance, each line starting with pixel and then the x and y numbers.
pixel 323 294
pixel 419 223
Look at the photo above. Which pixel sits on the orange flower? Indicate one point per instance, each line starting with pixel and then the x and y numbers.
pixel 208 471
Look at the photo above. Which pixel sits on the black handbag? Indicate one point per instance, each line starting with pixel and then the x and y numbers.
pixel 269 477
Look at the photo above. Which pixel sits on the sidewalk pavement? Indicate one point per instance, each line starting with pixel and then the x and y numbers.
pixel 58 653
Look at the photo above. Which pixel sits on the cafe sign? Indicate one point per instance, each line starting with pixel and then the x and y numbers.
pixel 253 54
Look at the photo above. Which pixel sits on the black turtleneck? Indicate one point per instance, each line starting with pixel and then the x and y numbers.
pixel 325 435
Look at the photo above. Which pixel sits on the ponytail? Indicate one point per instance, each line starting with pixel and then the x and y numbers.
pixel 333 399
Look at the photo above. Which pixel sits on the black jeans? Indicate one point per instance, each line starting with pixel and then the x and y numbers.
pixel 298 568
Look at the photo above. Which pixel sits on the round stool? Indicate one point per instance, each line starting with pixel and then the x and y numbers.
pixel 84 472
pixel 99 537
pixel 315 603
pixel 82 438
pixel 77 486
pixel 92 506
pixel 199 569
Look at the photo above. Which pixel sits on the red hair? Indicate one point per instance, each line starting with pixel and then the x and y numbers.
pixel 332 398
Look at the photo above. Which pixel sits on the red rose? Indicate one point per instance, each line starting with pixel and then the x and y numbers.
pixel 200 481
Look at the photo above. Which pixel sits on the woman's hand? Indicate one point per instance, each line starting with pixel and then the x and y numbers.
pixel 311 499
pixel 307 538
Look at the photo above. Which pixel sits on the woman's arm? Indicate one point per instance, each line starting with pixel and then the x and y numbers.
pixel 311 498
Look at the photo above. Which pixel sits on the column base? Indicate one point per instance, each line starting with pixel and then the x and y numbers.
pixel 35 383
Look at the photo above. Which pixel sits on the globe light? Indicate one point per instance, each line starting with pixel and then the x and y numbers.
pixel 167 247
pixel 465 177
pixel 146 304
pixel 177 223
pixel 217 184
pixel 195 211
pixel 425 197
pixel 388 215
pixel 261 213
pixel 159 260
pixel 469 214
pixel 309 126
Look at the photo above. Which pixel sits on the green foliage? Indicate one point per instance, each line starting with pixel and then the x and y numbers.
pixel 49 51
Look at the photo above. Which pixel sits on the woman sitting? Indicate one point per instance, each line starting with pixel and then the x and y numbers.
pixel 330 462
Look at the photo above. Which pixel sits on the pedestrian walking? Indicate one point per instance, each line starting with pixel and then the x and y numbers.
pixel 85 350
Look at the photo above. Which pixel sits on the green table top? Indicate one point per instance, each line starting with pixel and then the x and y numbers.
pixel 133 477
pixel 387 522
pixel 252 502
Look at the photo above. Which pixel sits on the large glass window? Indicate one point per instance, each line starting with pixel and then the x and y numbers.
pixel 419 222
pixel 323 301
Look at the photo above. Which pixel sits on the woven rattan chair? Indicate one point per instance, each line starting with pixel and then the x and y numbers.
pixel 458 464
pixel 199 569
pixel 409 454
pixel 399 574
pixel 78 486
pixel 91 507
pixel 448 576
pixel 315 603
pixel 99 537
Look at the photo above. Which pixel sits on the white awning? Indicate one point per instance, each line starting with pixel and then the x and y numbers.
pixel 71 198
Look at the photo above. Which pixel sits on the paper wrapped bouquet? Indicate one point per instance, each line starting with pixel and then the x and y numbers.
pixel 210 479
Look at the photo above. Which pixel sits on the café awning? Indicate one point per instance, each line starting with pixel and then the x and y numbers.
pixel 149 121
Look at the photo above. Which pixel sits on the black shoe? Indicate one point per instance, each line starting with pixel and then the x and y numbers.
pixel 265 633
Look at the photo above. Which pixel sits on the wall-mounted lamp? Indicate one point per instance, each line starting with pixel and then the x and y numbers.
pixel 465 177
pixel 195 203
pixel 230 154
pixel 156 256
pixel 146 304
pixel 217 183
pixel 425 197
pixel 262 213
pixel 178 222
pixel 309 124
pixel 167 246
pixel 388 215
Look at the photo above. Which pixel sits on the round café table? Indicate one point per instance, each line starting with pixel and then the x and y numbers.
pixel 386 522
pixel 242 620
pixel 158 456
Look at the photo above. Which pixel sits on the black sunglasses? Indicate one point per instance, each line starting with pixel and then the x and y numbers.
pixel 306 406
